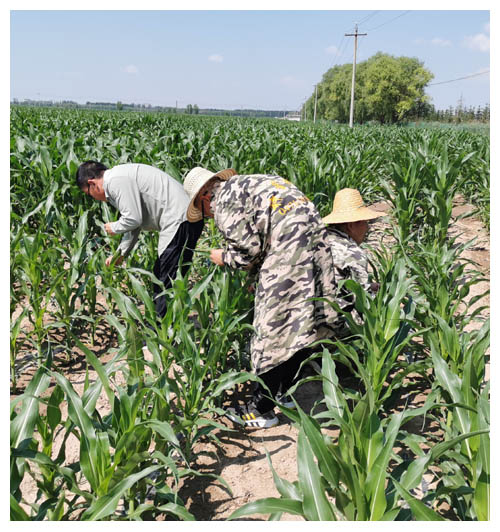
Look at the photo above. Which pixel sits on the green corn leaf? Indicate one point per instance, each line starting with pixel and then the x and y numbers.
pixel 107 504
pixel 326 461
pixel 24 423
pixel 231 379
pixel 315 504
pixel 441 448
pixel 420 511
pixel 451 383
pixel 372 439
pixel 46 161
pixel 376 478
pixel 392 318
pixel 42 459
pixel 16 512
pixel 89 449
pixel 143 294
pixel 114 322
pixel 53 410
pixel 413 475
pixel 97 365
pixel 177 510
pixel 82 230
pixel 270 505
pixel 481 500
pixel 333 396
pixel 163 429
pixel 286 489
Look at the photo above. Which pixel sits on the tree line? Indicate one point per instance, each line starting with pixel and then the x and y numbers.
pixel 119 106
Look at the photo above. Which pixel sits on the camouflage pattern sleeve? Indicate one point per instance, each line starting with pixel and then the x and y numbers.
pixel 350 260
pixel 243 246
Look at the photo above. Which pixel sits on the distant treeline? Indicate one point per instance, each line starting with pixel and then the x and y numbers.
pixel 119 106
pixel 457 114
pixel 422 112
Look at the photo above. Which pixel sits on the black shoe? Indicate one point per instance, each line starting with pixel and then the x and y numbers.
pixel 285 400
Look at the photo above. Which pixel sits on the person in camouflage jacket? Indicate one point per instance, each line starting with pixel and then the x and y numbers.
pixel 272 229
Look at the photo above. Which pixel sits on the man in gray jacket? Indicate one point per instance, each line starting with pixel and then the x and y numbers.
pixel 151 200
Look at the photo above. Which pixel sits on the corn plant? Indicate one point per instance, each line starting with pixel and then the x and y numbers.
pixel 377 341
pixel 172 398
pixel 445 280
pixel 115 456
pixel 353 478
pixel 32 257
pixel 460 376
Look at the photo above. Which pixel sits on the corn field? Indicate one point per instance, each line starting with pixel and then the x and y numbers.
pixel 67 307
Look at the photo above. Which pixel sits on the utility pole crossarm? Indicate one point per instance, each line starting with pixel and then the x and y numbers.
pixel 355 35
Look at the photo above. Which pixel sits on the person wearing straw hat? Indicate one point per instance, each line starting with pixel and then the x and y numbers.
pixel 347 226
pixel 271 229
pixel 151 200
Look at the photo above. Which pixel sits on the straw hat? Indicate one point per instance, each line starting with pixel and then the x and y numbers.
pixel 193 183
pixel 348 206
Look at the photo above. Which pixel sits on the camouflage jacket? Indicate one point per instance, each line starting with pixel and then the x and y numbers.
pixel 270 227
pixel 350 260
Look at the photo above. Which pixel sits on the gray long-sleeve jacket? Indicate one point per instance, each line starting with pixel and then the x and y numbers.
pixel 148 199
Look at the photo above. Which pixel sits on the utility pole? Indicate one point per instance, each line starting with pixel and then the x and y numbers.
pixel 315 102
pixel 355 35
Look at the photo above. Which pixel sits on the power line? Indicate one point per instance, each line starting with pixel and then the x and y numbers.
pixel 458 79
pixel 362 21
pixel 387 22
pixel 339 51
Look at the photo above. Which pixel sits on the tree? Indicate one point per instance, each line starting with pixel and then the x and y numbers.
pixel 388 89
pixel 119 106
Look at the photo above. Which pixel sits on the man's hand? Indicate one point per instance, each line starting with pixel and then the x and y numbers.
pixel 118 261
pixel 216 256
pixel 108 229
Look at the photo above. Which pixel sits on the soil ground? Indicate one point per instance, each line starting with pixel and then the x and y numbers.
pixel 241 458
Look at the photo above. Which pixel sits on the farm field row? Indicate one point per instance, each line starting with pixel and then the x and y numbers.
pixel 141 423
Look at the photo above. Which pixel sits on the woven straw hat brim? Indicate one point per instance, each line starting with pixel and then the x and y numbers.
pixel 358 215
pixel 348 206
pixel 201 176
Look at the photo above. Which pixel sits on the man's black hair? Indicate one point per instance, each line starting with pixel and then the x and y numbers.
pixel 89 170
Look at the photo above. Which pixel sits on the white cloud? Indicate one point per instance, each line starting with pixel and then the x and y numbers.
pixel 480 42
pixel 437 41
pixel 216 58
pixel 130 69
pixel 332 50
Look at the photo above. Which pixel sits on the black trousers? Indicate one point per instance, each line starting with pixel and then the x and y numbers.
pixel 178 253
pixel 281 377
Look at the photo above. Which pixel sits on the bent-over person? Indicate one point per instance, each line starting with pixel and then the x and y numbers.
pixel 347 227
pixel 271 228
pixel 148 200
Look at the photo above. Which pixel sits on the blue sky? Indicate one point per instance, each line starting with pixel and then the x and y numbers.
pixel 235 59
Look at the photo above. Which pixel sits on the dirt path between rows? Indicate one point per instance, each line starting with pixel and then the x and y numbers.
pixel 241 457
